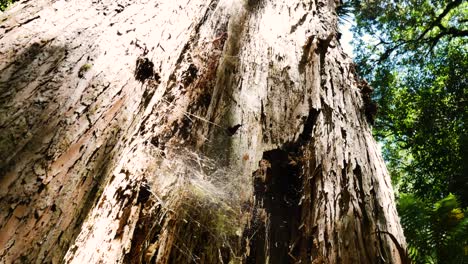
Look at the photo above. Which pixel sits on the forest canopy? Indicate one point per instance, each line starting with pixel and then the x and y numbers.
pixel 415 55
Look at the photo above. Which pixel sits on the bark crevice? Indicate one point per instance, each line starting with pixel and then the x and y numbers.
pixel 275 223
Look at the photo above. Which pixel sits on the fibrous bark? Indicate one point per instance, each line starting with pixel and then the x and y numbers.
pixel 186 131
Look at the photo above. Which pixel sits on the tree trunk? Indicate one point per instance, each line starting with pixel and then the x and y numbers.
pixel 186 131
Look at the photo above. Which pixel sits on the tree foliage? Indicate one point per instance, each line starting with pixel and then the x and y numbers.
pixel 409 30
pixel 415 54
pixel 436 233
pixel 4 4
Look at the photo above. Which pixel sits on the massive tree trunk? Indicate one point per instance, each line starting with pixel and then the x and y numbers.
pixel 186 131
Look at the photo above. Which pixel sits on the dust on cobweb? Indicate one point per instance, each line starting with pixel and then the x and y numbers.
pixel 208 204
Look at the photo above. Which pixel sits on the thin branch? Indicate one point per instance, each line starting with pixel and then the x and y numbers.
pixel 432 41
pixel 452 32
pixel 439 18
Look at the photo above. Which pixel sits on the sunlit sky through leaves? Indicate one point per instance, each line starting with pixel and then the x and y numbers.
pixel 347 36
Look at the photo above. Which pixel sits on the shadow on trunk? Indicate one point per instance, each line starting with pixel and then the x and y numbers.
pixel 33 134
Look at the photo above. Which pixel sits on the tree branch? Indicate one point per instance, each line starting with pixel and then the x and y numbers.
pixel 439 18
pixel 432 41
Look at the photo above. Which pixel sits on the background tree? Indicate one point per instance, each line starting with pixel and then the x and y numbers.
pixel 186 131
pixel 415 55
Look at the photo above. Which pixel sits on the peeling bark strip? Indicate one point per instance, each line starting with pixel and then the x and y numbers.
pixel 186 131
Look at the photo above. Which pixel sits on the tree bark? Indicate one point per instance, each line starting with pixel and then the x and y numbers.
pixel 186 131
